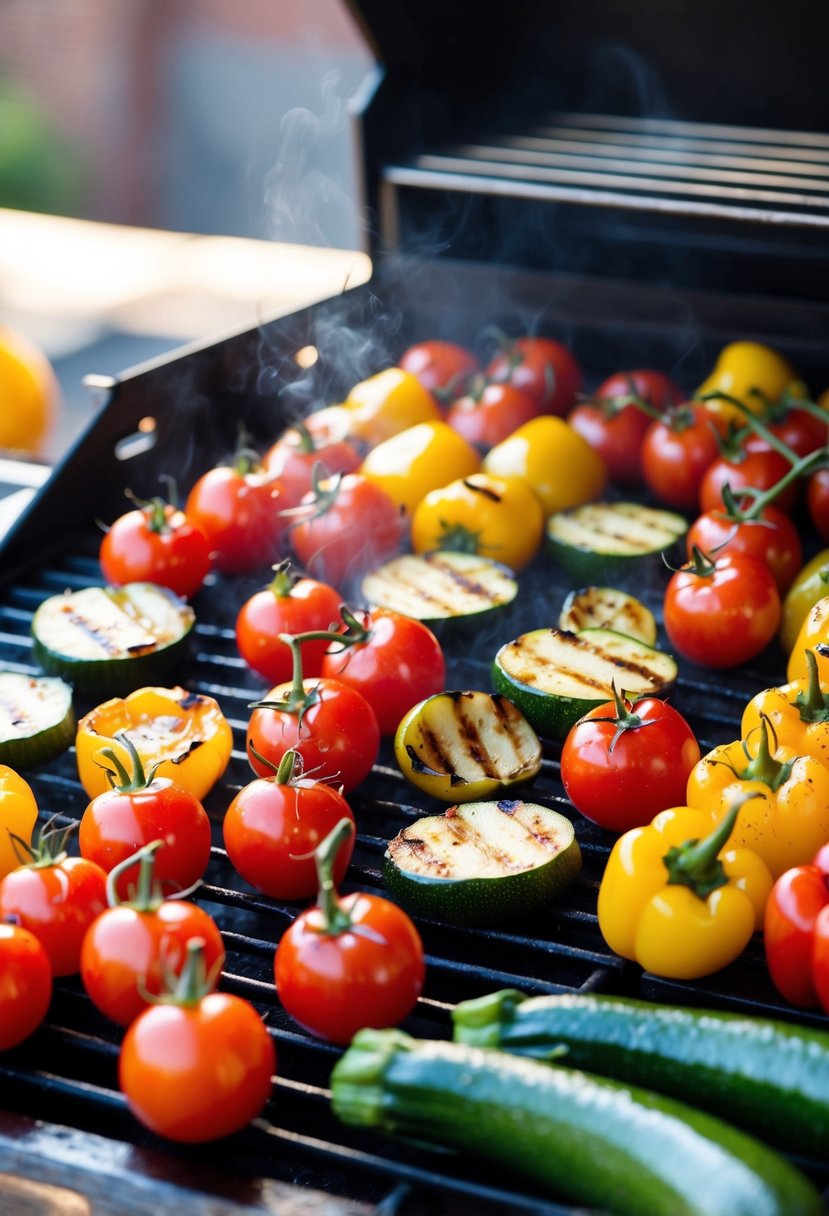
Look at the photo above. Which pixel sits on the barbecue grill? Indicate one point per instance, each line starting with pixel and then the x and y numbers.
pixel 639 240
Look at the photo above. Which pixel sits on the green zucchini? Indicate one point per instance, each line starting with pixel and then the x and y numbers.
pixel 764 1075
pixel 111 640
pixel 555 677
pixel 482 862
pixel 579 1137
pixel 37 719
pixel 464 746
pixel 608 608
pixel 441 586
pixel 604 541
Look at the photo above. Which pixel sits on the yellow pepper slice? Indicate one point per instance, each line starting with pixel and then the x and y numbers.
pixel 559 464
pixel 678 898
pixel 18 814
pixel 389 402
pixel 184 733
pixel 413 462
pixel 798 713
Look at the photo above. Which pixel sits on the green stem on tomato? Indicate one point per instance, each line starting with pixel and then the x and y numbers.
pixel 335 919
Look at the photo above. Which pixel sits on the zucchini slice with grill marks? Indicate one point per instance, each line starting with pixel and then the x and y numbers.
pixel 440 586
pixel 111 640
pixel 608 608
pixel 482 862
pixel 37 720
pixel 555 677
pixel 464 746
pixel 606 539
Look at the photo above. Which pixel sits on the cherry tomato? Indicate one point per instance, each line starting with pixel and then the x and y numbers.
pixel 351 525
pixel 156 543
pixel 541 367
pixel 489 411
pixel 724 612
pixel 287 605
pixel 440 366
pixel 654 387
pixel 273 826
pixel 25 984
pixel 623 763
pixel 675 454
pixel 616 433
pixel 797 428
pixel 796 933
pixel 196 1072
pixel 291 460
pixel 817 501
pixel 772 538
pixel 757 469
pixel 238 510
pixel 394 661
pixel 55 897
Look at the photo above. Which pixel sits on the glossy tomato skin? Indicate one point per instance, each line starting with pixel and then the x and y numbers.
pixel 758 469
pixel 400 663
pixel 653 386
pixel 542 367
pixel 798 429
pixel 795 908
pixel 440 366
pixel 25 984
pixel 197 1073
pixel 307 606
pixel 116 824
pixel 338 739
pixel 239 513
pixel 292 459
pixel 128 952
pixel 726 618
pixel 175 554
pixel 616 434
pixel 772 538
pixel 369 975
pixel 817 501
pixel 622 781
pixel 57 903
pixel 489 413
pixel 676 453
pixel 271 830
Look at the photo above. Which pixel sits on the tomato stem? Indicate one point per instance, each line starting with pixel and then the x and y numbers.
pixel 122 780
pixel 283 579
pixel 335 919
pixel 299 699
pixel 147 895
pixel 625 718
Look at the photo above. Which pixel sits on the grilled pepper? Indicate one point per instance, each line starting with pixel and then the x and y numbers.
pixel 679 899
pixel 798 713
pixel 786 817
pixel 184 734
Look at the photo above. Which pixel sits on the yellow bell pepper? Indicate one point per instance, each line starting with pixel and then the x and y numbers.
pixel 418 460
pixel 560 466
pixel 679 898
pixel 786 819
pixel 748 374
pixel 810 585
pixel 798 713
pixel 18 814
pixel 184 733
pixel 389 402
pixel 813 634
pixel 497 517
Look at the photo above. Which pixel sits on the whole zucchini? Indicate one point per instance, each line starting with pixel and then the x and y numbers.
pixel 583 1138
pixel 766 1076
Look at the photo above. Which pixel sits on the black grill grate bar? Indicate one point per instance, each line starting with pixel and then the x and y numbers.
pixel 706 133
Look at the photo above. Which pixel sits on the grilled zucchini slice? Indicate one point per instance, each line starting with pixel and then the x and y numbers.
pixel 111 640
pixel 440 586
pixel 37 720
pixel 464 746
pixel 604 541
pixel 555 677
pixel 608 608
pixel 482 862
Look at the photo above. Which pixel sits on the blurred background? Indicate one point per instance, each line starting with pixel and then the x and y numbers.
pixel 169 170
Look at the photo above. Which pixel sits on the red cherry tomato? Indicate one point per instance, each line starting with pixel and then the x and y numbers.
pixel 287 605
pixel 440 365
pixel 817 501
pixel 772 538
pixel 239 513
pixel 622 764
pixel 292 459
pixel 25 984
pixel 796 933
pixel 797 428
pixel 724 616
pixel 655 388
pixel 197 1072
pixel 490 411
pixel 156 544
pixel 273 826
pixel 541 367
pixel 397 663
pixel 758 469
pixel 351 525
pixel 675 454
pixel 616 433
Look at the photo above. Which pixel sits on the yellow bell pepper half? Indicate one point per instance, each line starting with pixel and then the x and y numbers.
pixel 678 898
pixel 184 733
pixel 798 712
pixel 18 814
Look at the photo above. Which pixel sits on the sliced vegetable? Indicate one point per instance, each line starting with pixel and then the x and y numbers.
pixel 37 721
pixel 555 677
pixel 440 586
pixel 111 640
pixel 766 1076
pixel 610 539
pixel 482 862
pixel 464 746
pixel 608 608
pixel 610 1146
